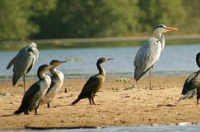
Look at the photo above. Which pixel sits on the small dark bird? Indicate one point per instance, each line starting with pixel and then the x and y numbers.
pixel 57 80
pixel 191 87
pixel 36 92
pixel 94 83
pixel 23 62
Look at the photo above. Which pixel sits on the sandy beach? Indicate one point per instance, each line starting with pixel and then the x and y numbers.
pixel 115 105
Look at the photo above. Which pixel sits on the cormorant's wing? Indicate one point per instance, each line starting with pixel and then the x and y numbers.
pixel 192 82
pixel 90 85
pixel 146 57
pixel 31 95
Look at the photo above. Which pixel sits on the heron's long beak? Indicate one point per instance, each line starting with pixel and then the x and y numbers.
pixel 110 59
pixel 171 28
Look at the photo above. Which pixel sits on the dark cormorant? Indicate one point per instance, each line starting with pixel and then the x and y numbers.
pixel 36 92
pixel 57 80
pixel 191 87
pixel 94 83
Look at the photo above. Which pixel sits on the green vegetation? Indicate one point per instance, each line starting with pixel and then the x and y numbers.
pixel 130 87
pixel 64 45
pixel 55 19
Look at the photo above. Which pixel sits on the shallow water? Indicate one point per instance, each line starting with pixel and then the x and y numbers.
pixel 142 128
pixel 178 59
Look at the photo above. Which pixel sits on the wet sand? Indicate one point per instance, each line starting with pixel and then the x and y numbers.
pixel 115 106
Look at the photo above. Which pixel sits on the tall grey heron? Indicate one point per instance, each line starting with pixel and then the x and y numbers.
pixel 94 83
pixel 36 92
pixel 57 80
pixel 191 86
pixel 23 62
pixel 150 52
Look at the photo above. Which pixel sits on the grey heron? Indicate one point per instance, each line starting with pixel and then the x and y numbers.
pixel 94 83
pixel 150 52
pixel 57 80
pixel 36 92
pixel 23 62
pixel 191 86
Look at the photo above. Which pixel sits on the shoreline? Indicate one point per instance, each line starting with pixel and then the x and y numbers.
pixel 108 75
pixel 115 105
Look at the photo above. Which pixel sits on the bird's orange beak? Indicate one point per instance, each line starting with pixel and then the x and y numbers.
pixel 171 29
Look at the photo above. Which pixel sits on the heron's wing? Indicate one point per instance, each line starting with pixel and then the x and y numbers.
pixel 35 57
pixel 36 52
pixel 146 57
pixel 23 62
pixel 11 63
pixel 31 95
pixel 15 58
pixel 192 82
pixel 31 65
pixel 90 85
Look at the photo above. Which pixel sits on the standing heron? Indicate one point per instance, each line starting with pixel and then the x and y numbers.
pixel 191 87
pixel 23 62
pixel 57 80
pixel 36 92
pixel 94 83
pixel 150 52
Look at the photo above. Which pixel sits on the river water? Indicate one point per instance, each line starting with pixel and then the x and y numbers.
pixel 141 128
pixel 177 59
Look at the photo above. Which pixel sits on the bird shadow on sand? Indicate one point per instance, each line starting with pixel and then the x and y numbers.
pixel 17 115
pixel 7 115
pixel 166 105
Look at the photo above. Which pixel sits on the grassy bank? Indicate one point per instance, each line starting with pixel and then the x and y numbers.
pixel 96 42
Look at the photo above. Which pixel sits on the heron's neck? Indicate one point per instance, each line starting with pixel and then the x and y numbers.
pixel 100 68
pixel 160 37
pixel 41 75
pixel 54 72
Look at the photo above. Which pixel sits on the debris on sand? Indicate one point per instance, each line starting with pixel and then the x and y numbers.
pixel 5 94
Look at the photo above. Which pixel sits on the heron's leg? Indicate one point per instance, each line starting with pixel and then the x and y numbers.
pixel 150 74
pixel 24 84
pixel 48 105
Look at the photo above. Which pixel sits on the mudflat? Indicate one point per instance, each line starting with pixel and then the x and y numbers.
pixel 118 103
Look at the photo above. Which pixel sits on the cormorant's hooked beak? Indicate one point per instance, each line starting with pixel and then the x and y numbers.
pixel 171 29
pixel 63 62
pixel 110 59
